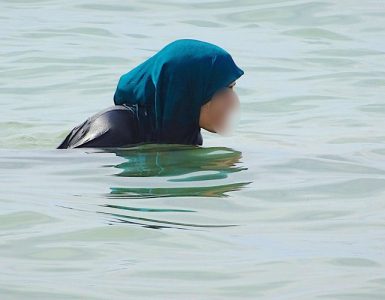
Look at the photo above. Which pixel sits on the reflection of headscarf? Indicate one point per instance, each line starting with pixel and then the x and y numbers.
pixel 173 84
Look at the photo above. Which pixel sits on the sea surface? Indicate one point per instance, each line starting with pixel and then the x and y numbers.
pixel 292 206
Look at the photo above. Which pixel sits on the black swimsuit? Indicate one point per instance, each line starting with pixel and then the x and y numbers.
pixel 115 126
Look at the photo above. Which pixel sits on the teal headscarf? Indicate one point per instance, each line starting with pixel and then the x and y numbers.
pixel 173 84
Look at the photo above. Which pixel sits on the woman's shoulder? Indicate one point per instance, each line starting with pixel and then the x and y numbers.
pixel 113 116
pixel 119 109
pixel 113 126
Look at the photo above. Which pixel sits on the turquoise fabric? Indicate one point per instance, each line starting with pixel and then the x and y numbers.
pixel 174 83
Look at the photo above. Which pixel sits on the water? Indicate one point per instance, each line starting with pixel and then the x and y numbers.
pixel 292 207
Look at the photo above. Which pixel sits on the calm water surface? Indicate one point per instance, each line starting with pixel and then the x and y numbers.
pixel 291 207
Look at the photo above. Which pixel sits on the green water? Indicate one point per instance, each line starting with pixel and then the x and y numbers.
pixel 291 207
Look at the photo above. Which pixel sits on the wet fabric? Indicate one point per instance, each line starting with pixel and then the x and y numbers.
pixel 173 84
pixel 114 126
pixel 159 101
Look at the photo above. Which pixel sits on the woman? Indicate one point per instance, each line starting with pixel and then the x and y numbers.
pixel 186 86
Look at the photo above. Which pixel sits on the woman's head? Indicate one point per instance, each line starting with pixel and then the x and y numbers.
pixel 218 113
pixel 175 83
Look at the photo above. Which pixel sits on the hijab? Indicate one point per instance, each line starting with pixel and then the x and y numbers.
pixel 171 86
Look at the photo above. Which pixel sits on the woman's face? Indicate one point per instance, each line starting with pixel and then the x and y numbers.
pixel 215 114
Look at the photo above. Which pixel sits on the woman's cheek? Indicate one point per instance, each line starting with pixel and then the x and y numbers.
pixel 224 118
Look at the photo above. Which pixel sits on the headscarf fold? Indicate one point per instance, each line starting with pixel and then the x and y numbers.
pixel 173 84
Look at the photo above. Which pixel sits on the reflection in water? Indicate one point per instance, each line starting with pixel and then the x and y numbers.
pixel 128 219
pixel 209 191
pixel 181 163
pixel 147 209
pixel 185 170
